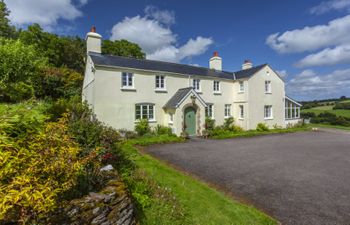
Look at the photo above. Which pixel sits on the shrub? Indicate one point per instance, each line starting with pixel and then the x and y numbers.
pixel 228 123
pixel 307 115
pixel 35 171
pixel 209 124
pixel 262 127
pixel 142 127
pixel 160 130
pixel 342 105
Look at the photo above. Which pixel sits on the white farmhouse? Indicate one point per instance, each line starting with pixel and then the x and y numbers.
pixel 122 90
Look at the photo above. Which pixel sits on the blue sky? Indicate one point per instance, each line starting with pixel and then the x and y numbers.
pixel 307 42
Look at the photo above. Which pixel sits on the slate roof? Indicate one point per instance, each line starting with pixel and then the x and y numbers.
pixel 179 96
pixel 144 64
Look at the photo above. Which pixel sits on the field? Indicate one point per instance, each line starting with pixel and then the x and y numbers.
pixel 329 108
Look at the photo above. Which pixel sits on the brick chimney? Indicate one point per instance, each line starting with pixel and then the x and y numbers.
pixel 215 62
pixel 247 64
pixel 93 41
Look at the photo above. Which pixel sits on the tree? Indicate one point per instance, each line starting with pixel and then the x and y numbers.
pixel 343 97
pixel 20 64
pixel 61 51
pixel 6 30
pixel 122 48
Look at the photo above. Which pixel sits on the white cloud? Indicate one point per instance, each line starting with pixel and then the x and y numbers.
pixel 309 85
pixel 162 16
pixel 327 6
pixel 153 34
pixel 282 73
pixel 44 12
pixel 328 56
pixel 336 32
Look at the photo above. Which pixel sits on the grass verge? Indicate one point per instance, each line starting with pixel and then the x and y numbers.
pixel 252 133
pixel 167 196
pixel 329 126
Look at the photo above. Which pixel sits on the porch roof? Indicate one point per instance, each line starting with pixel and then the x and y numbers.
pixel 181 94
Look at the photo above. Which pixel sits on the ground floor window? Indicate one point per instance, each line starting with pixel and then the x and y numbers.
pixel 209 111
pixel 292 110
pixel 268 112
pixel 241 111
pixel 228 110
pixel 144 111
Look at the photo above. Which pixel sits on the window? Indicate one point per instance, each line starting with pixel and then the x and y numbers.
pixel 171 118
pixel 268 112
pixel 144 111
pixel 196 84
pixel 292 110
pixel 160 82
pixel 241 111
pixel 216 86
pixel 241 86
pixel 227 110
pixel 209 111
pixel 127 79
pixel 267 86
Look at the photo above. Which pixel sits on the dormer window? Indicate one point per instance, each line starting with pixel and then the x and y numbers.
pixel 196 84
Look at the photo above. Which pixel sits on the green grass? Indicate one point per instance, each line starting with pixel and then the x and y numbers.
pixel 252 133
pixel 168 196
pixel 321 109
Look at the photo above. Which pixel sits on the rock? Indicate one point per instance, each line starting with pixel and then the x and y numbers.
pixel 96 210
pixel 96 197
pixel 107 168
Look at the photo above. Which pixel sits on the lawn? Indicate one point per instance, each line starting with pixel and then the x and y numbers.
pixel 188 201
pixel 321 109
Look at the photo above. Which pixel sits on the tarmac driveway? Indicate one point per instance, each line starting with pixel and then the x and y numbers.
pixel 300 178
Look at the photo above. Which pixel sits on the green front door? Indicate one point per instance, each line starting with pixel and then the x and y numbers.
pixel 190 121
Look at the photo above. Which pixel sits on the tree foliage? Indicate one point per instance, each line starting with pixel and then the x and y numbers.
pixel 122 48
pixel 6 30
pixel 19 66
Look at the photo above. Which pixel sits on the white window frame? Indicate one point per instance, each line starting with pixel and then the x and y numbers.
pixel 129 84
pixel 148 107
pixel 228 110
pixel 268 87
pixel 216 86
pixel 241 112
pixel 196 84
pixel 241 87
pixel 268 112
pixel 171 118
pixel 160 82
pixel 209 110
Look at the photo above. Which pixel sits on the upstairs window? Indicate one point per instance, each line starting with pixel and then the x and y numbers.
pixel 144 111
pixel 241 86
pixel 160 82
pixel 127 79
pixel 209 111
pixel 241 112
pixel 196 84
pixel 216 86
pixel 267 112
pixel 267 86
pixel 227 110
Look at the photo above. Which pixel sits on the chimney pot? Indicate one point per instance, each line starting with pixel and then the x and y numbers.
pixel 216 54
pixel 93 29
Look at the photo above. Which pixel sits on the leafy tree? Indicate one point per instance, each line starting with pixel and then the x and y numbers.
pixel 19 66
pixel 6 30
pixel 122 48
pixel 343 97
pixel 61 51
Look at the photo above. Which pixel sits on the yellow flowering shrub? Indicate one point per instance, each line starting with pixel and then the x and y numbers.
pixel 35 171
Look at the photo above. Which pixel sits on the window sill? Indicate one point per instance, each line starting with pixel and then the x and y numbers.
pixel 150 121
pixel 217 92
pixel 241 92
pixel 171 123
pixel 226 117
pixel 161 90
pixel 268 93
pixel 271 118
pixel 240 118
pixel 198 92
pixel 128 89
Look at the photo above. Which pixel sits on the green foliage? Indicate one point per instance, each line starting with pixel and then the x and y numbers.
pixel 307 115
pixel 161 130
pixel 35 170
pixel 6 30
pixel 61 51
pixel 330 118
pixel 19 66
pixel 342 105
pixel 262 127
pixel 228 123
pixel 122 48
pixel 209 124
pixel 142 127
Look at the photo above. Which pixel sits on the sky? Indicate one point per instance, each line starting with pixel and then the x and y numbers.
pixel 306 42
